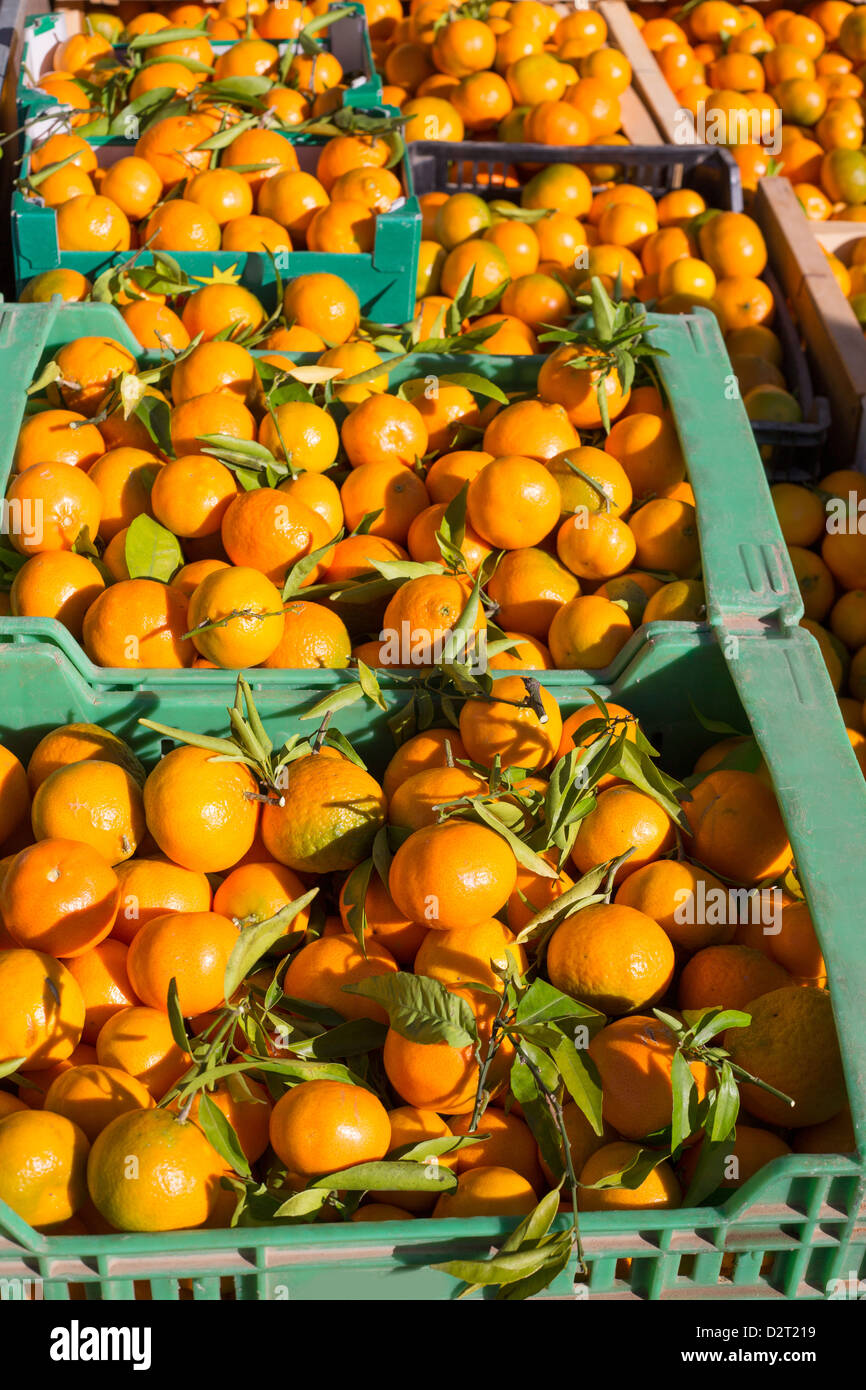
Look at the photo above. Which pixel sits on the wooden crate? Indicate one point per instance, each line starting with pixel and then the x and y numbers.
pixel 832 337
pixel 675 125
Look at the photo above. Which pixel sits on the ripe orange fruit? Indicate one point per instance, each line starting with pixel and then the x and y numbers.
pixel 331 813
pixel 658 1191
pixel 588 632
pixel 729 977
pixel 92 1096
pixel 796 947
pixel 513 502
pixel 595 547
pixel 320 1127
pixel 648 449
pixel 791 1043
pixel 104 983
pixel 43 1162
pixel 93 803
pixel 487 1191
pixel 431 1076
pixel 191 947
pixel 611 957
pixel 465 955
pixel 634 1057
pixel 736 826
pixel 139 1042
pixel 669 891
pixel 453 875
pixel 384 429
pixel 44 1011
pixel 57 436
pixel 306 430
pixel 623 818
pixel 138 623
pixel 510 729
pixel 178 1173
pixel 90 222
pixel 56 585
pixel 424 750
pixel 250 609
pixel 323 303
pixel 320 970
pixel 172 147
pixel 59 896
pixel 220 814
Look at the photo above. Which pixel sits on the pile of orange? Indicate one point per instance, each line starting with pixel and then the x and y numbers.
pixel 800 72
pixel 575 537
pixel 523 71
pixel 174 193
pixel 86 74
pixel 823 528
pixel 125 889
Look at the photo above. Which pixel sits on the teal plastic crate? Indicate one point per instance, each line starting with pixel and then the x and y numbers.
pixel 384 279
pixel 347 38
pixel 749 581
pixel 788 1233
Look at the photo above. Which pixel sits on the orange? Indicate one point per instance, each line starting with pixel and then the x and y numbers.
pixel 632 591
pixel 44 1011
pixel 321 1127
pixel 732 244
pixel 104 983
pixel 538 300
pixel 377 189
pixel 611 957
pixel 43 1161
pixel 220 816
pixel 90 222
pixel 156 327
pixel 191 947
pixel 431 1076
pixel 748 1153
pixel 597 546
pixel 796 946
pixel 666 535
pixel 485 259
pixel 466 955
pixel 384 429
pixel 513 502
pixel 634 1058
pixel 510 726
pixel 137 623
pixel 422 751
pixel 92 1096
pixel 319 972
pixel 411 1126
pixel 648 449
pixel 73 743
pixel 210 311
pixel 253 893
pixel 248 1111
pixel 178 1173
pixel 737 829
pixel 267 150
pixel 292 198
pixel 589 632
pixel 192 497
pixel 834 1136
pixel 139 1042
pixel 576 387
pixel 453 875
pixel 60 896
pixel 248 609
pixel 530 587
pixel 15 800
pixel 387 487
pixel 352 359
pixel 431 118
pixel 385 923
pixel 313 637
pixel 682 899
pixel 482 100
pixel 591 480
pixel 800 513
pixel 791 1043
pixel 56 585
pixel 331 813
pixel 463 46
pixel 487 1191
pixel 134 185
pixel 69 284
pixel 173 75
pixel 658 1191
pixel 623 818
pixel 346 227
pixel 171 147
pixel 88 369
pixel 728 977
pixel 532 428
pixel 268 531
pixel 509 1144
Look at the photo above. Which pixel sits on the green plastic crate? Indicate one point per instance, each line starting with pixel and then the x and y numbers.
pixel 788 1233
pixel 748 577
pixel 348 39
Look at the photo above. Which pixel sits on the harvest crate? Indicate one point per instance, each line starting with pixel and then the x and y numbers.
pixel 788 1232
pixel 747 583
pixel 832 335
pixel 480 168
pixel 347 38
pixel 384 279
pixel 648 80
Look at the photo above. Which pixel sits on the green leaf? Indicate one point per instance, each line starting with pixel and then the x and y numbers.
pixel 684 1101
pixel 11 1065
pixel 340 698
pixel 370 685
pixel 634 1173
pixel 709 1170
pixel 542 1003
pixel 354 896
pixel 393 1176
pixel 536 1225
pixel 727 1105
pixel 558 1258
pixel 478 385
pixel 420 1009
pixel 151 551
pixel 253 942
pixel 582 1081
pixel 220 1134
pixel 303 1204
pixel 499 1269
pixel 536 1111
pixel 305 566
pixel 175 1017
pixel 348 1039
pixel 521 851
